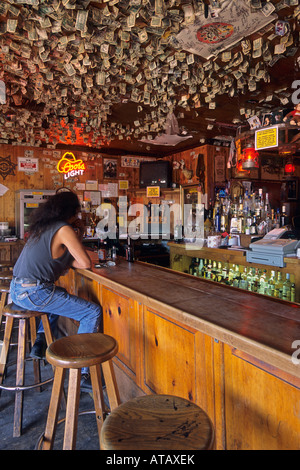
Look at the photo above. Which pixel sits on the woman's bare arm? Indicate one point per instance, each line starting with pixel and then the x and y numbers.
pixel 67 236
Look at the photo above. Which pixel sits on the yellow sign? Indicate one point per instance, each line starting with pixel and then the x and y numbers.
pixel 123 184
pixel 153 191
pixel 266 138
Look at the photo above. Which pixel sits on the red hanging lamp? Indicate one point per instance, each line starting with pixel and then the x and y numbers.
pixel 250 158
pixel 289 168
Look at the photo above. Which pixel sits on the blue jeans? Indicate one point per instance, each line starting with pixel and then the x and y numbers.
pixel 55 301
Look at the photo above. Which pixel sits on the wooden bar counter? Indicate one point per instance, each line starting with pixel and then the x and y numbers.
pixel 229 351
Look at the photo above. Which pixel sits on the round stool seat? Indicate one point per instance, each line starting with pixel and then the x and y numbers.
pixel 157 422
pixel 12 310
pixel 81 350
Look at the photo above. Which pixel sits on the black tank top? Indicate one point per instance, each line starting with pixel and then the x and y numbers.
pixel 36 262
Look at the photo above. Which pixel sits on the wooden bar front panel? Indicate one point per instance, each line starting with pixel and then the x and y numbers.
pixel 164 349
pixel 262 411
pixel 120 320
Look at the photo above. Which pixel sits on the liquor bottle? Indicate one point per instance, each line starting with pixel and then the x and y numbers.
pixel 204 269
pixel 102 251
pixel 225 274
pixel 277 218
pixel 286 288
pixel 231 274
pixel 253 229
pixel 278 286
pixel 129 251
pixel 209 268
pixel 214 271
pixel 243 284
pixel 255 280
pixel 250 279
pixel 200 266
pixel 271 285
pixel 219 272
pixel 293 292
pixel 217 221
pixel 237 276
pixel 263 283
pixel 283 218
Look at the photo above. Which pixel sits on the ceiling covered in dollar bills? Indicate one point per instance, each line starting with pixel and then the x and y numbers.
pixel 143 76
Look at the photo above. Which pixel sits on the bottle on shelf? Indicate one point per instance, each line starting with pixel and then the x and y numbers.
pixel 204 269
pixel 278 286
pixel 209 270
pixel 293 292
pixel 129 250
pixel 102 251
pixel 286 288
pixel 237 276
pixel 219 272
pixel 250 279
pixel 217 220
pixel 243 284
pixel 271 284
pixel 283 217
pixel 263 283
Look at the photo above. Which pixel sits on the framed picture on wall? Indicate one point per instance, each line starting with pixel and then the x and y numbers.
pixel 110 166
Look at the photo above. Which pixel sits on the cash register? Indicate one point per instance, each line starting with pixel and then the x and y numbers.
pixel 273 248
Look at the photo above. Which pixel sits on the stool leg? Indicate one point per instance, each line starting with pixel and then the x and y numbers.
pixel 20 379
pixel 49 340
pixel 111 384
pixel 36 362
pixel 72 409
pixel 2 305
pixel 95 372
pixel 5 347
pixel 59 377
pixel 47 329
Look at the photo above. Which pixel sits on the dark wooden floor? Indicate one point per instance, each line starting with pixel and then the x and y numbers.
pixel 35 411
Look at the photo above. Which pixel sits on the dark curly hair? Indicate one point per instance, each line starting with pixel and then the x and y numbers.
pixel 60 207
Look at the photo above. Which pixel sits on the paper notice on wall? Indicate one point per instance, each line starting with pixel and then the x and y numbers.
pixel 30 165
pixel 3 189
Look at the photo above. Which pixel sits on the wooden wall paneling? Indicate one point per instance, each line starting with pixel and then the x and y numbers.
pixel 121 322
pixel 258 414
pixel 169 356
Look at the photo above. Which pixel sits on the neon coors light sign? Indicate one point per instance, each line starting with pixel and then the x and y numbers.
pixel 70 166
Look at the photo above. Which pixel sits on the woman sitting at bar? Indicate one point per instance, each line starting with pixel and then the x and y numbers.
pixel 53 246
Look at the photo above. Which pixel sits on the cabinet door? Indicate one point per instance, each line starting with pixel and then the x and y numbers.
pixel 120 322
pixel 262 410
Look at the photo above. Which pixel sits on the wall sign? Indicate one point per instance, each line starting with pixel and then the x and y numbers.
pixel 28 164
pixel 69 166
pixel 153 191
pixel 266 138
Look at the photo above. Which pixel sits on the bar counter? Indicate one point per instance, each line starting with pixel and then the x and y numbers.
pixel 229 351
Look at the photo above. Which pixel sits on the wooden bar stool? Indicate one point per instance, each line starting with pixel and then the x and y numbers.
pixel 157 422
pixel 4 291
pixel 13 312
pixel 74 352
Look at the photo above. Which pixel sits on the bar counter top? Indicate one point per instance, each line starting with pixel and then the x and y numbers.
pixel 256 324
